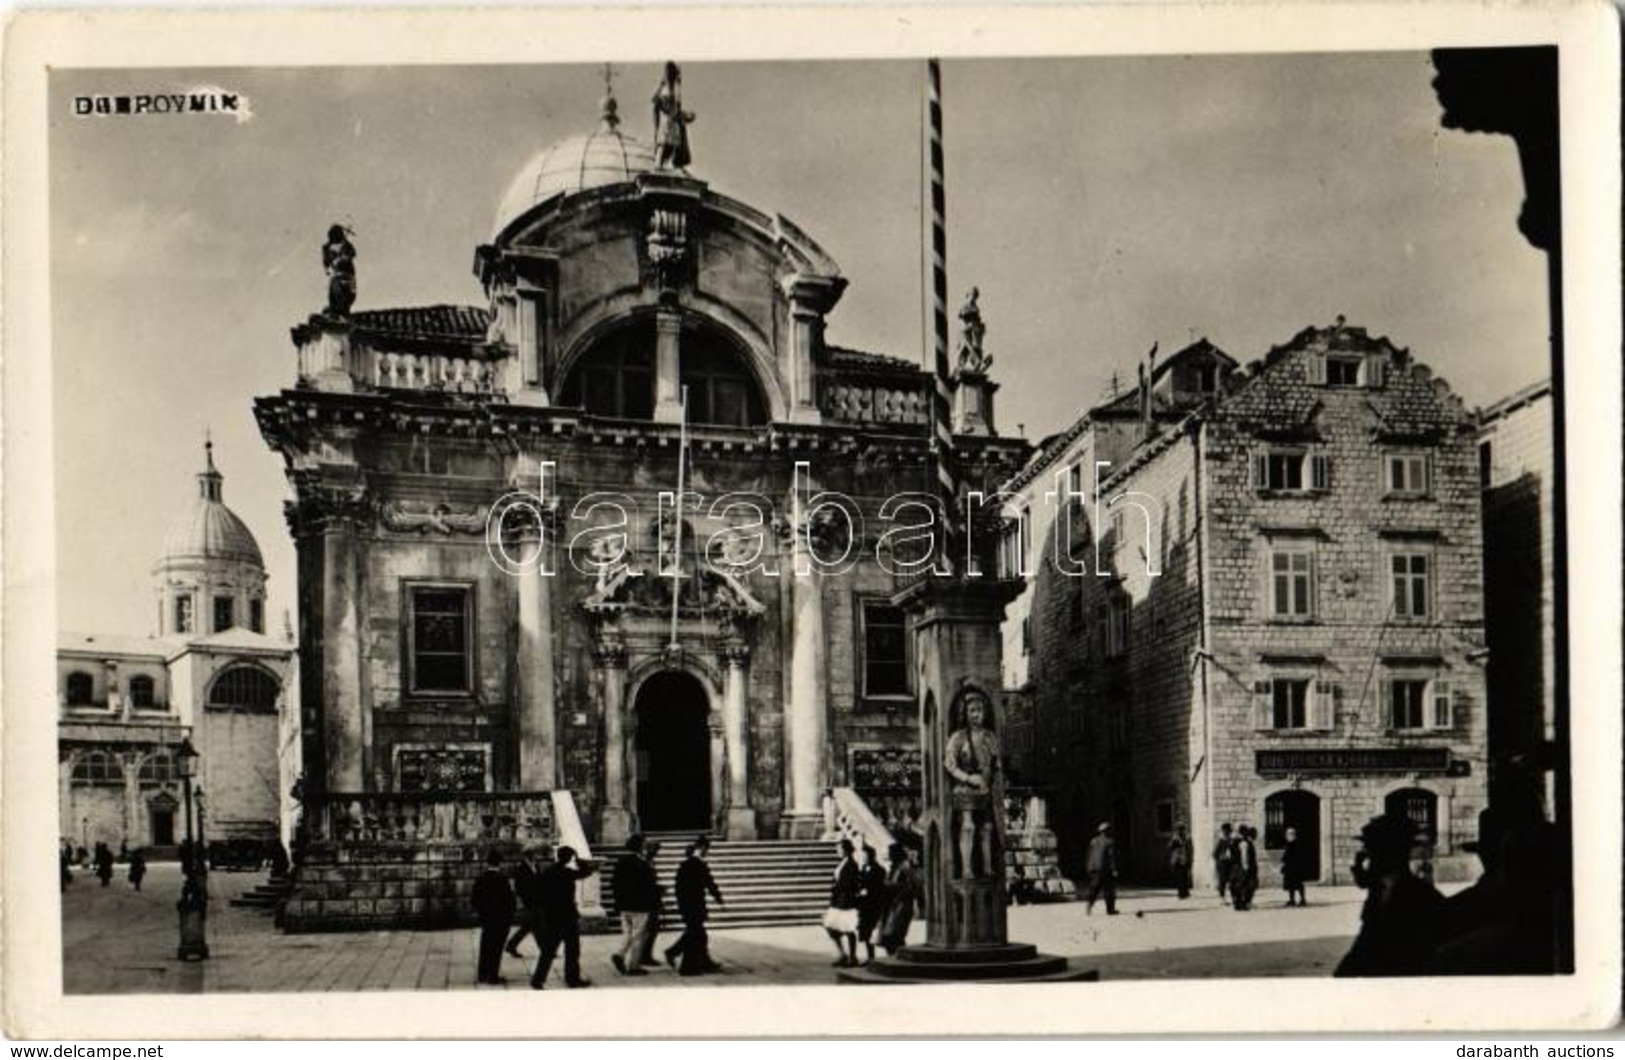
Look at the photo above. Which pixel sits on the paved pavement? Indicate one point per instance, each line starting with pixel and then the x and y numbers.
pixel 117 941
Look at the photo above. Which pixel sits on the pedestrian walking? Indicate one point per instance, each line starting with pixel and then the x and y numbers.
pixel 841 917
pixel 1402 916
pixel 1294 868
pixel 65 861
pixel 1101 866
pixel 1224 858
pixel 138 868
pixel 651 930
pixel 104 863
pixel 871 899
pixel 1181 852
pixel 636 896
pixel 903 894
pixel 527 886
pixel 494 905
pixel 693 884
pixel 559 919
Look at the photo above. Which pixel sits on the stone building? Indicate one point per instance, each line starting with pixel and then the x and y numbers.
pixel 1515 471
pixel 613 286
pixel 1269 611
pixel 208 675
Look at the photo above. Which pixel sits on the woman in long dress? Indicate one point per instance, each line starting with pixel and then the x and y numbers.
pixel 903 895
pixel 841 918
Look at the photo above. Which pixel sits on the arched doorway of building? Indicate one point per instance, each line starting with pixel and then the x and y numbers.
pixel 1299 810
pixel 673 748
pixel 161 819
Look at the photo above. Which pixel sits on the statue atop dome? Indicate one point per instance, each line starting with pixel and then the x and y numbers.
pixel 671 122
pixel 338 258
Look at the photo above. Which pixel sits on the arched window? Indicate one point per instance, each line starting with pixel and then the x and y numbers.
pixel 1418 806
pixel 157 768
pixel 721 389
pixel 97 767
pixel 80 689
pixel 141 691
pixel 616 377
pixel 244 688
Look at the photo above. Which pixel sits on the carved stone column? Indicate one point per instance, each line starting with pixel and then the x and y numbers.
pixel 741 818
pixel 609 662
pixel 668 397
pixel 806 730
pixel 538 738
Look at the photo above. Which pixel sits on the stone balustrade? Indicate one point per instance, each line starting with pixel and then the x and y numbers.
pixel 433 817
pixel 429 371
pixel 847 816
pixel 855 401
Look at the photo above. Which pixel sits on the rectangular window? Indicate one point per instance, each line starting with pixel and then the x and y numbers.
pixel 440 639
pixel 1419 704
pixel 1407 704
pixel 1291 471
pixel 1409 585
pixel 1292 584
pixel 183 614
pixel 1406 474
pixel 256 615
pixel 1343 371
pixel 1486 464
pixel 1289 700
pixel 222 614
pixel 885 650
pixel 1295 703
pixel 1118 627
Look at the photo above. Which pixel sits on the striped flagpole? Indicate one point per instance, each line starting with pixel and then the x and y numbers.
pixel 936 292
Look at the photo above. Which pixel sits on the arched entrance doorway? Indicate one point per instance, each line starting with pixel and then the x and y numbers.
pixel 1299 810
pixel 673 748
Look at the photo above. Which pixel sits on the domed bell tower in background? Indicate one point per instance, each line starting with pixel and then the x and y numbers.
pixel 211 576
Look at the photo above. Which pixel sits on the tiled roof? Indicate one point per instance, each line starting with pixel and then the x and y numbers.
pixel 467 323
pixel 844 357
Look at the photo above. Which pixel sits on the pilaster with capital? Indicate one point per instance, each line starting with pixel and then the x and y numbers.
pixel 609 672
pixel 741 818
pixel 805 723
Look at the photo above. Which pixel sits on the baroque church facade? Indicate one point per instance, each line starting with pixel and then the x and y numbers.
pixel 208 678
pixel 721 666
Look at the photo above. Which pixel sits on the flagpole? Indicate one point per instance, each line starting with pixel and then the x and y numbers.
pixel 934 264
pixel 677 526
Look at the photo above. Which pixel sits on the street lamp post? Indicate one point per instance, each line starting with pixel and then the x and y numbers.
pixel 194 901
pixel 202 844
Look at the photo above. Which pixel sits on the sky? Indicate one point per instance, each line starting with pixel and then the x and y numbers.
pixel 1100 204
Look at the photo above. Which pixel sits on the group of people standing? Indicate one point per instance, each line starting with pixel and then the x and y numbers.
pixel 1235 865
pixel 867 902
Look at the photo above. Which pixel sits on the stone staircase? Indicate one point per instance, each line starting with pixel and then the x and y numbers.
pixel 764 883
pixel 265 896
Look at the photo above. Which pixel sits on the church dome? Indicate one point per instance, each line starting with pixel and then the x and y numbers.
pixel 577 163
pixel 208 530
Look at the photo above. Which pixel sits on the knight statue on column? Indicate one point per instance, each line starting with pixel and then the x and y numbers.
pixel 972 760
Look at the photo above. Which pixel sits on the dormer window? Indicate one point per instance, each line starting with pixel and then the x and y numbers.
pixel 1343 371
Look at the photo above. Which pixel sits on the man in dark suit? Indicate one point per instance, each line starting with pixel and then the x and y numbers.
pixel 527 884
pixel 693 883
pixel 494 905
pixel 560 920
pixel 636 896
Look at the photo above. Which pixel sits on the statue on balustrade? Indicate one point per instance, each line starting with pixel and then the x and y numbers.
pixel 671 122
pixel 973 763
pixel 338 258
